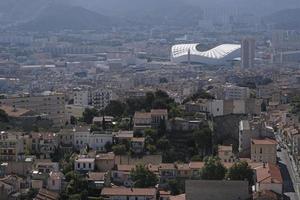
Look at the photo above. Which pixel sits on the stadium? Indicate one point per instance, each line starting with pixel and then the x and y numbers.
pixel 220 55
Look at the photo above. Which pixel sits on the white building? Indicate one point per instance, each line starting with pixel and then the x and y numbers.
pixel 93 140
pixel 215 107
pixel 84 164
pixel 236 92
pixel 82 97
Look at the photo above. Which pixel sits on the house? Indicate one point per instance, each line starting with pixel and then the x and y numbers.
pixel 98 180
pixel 178 197
pixel 98 141
pixel 137 144
pixel 46 166
pixel 55 181
pixel 264 150
pixel 120 193
pixel 268 177
pixel 164 195
pixel 105 161
pixel 216 190
pixel 122 137
pixel 121 174
pixel 43 144
pixel 184 170
pixel 83 164
pixel 167 171
pixel 157 115
pixel 45 194
pixel 225 153
pixel 141 120
pixel 65 140
pixel 152 119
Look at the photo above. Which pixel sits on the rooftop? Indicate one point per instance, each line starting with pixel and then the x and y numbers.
pixel 119 191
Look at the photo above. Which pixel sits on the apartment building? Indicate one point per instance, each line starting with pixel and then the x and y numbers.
pixel 236 92
pixel 51 104
pixel 101 98
pixel 12 146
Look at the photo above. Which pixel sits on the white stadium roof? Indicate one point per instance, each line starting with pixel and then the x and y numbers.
pixel 218 55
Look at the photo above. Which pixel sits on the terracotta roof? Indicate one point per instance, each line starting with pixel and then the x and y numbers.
pixel 167 166
pixel 196 165
pixel 178 197
pixel 224 148
pixel 136 139
pixel 183 166
pixel 159 111
pixel 127 168
pixel 268 174
pixel 144 115
pixel 96 176
pixel 266 141
pixel 266 194
pixel 46 195
pixel 120 191
pixel 105 156
pixel 153 168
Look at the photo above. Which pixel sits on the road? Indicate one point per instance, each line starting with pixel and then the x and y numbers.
pixel 290 179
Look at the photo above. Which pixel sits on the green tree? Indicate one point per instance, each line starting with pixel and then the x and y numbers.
pixel 89 114
pixel 213 169
pixel 142 177
pixel 115 108
pixel 203 139
pixel 163 144
pixel 119 149
pixel 240 171
pixel 3 116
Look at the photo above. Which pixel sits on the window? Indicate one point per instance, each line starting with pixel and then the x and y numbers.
pixel 53 182
pixel 260 151
pixel 78 165
pixel 90 166
pixel 84 165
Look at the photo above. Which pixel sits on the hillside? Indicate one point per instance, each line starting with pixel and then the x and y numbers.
pixel 285 19
pixel 58 17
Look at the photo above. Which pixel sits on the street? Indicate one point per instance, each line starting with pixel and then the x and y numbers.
pixel 290 179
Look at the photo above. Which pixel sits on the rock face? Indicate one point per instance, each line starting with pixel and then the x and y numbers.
pixel 226 130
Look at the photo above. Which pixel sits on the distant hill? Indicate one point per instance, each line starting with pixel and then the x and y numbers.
pixel 288 19
pixel 60 16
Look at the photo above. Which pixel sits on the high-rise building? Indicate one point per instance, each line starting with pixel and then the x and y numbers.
pixel 248 52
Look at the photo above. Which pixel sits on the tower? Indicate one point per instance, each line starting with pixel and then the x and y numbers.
pixel 248 52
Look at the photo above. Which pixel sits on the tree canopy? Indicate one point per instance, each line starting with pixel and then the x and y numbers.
pixel 143 177
pixel 240 171
pixel 213 169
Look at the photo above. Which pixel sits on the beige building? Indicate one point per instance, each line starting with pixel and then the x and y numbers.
pixel 263 150
pixel 12 146
pixel 225 153
pixel 51 104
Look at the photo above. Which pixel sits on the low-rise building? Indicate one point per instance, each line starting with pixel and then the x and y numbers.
pixel 119 193
pixel 268 177
pixel 225 153
pixel 264 150
pixel 83 164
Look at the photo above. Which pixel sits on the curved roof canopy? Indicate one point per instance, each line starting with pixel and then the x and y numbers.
pixel 180 52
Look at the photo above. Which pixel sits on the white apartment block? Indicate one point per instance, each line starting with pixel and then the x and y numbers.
pixel 51 104
pixel 236 92
pixel 101 98
pixel 82 97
